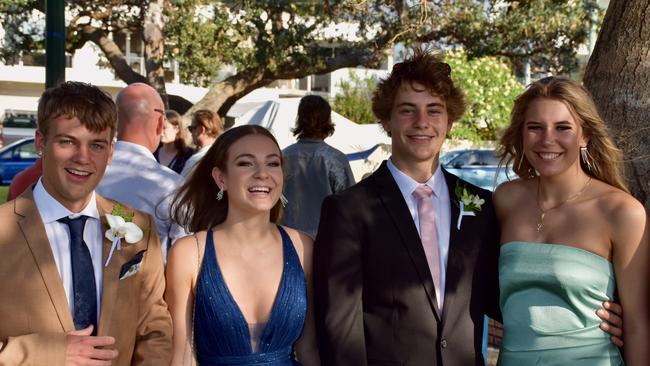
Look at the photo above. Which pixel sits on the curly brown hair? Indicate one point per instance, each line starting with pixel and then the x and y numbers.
pixel 194 205
pixel 607 159
pixel 423 68
pixel 93 107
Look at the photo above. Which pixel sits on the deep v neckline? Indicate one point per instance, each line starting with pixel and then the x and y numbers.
pixel 243 323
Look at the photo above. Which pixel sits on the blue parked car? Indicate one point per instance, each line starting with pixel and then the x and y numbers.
pixel 476 166
pixel 15 158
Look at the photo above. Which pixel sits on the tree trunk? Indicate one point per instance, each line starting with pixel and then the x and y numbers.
pixel 230 89
pixel 618 76
pixel 154 47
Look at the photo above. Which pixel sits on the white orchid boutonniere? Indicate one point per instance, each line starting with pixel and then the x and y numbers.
pixel 121 227
pixel 469 204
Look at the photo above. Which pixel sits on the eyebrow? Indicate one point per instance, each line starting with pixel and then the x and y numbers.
pixel 409 104
pixel 76 139
pixel 555 123
pixel 247 155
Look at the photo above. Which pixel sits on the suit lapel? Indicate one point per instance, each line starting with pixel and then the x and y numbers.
pixel 111 273
pixel 392 198
pixel 33 230
pixel 457 244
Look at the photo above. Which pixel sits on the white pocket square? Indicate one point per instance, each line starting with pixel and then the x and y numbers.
pixel 131 271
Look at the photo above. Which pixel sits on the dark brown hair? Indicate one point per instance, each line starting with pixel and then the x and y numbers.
pixel 314 118
pixel 423 68
pixel 210 120
pixel 195 206
pixel 93 107
pixel 175 120
pixel 607 159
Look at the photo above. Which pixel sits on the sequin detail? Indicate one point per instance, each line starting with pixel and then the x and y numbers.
pixel 221 332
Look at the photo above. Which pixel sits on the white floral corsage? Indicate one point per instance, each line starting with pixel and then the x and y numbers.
pixel 469 204
pixel 120 226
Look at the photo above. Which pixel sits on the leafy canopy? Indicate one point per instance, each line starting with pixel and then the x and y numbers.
pixel 490 90
pixel 265 40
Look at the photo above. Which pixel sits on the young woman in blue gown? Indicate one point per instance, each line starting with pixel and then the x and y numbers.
pixel 572 236
pixel 238 289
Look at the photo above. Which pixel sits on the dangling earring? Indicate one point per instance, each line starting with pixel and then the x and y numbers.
pixel 521 160
pixel 283 200
pixel 220 194
pixel 586 157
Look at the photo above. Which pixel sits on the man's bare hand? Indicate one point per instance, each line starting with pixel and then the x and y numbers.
pixel 80 349
pixel 612 314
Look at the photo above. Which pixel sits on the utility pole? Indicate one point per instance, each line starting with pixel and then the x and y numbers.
pixel 54 42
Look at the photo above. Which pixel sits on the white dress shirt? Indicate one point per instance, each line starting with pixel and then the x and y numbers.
pixel 135 178
pixel 193 160
pixel 58 235
pixel 441 205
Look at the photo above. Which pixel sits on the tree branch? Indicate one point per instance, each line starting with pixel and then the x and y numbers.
pixel 115 57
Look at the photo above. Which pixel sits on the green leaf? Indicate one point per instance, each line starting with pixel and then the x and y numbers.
pixel 118 210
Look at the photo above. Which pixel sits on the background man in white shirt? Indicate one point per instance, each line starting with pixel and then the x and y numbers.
pixel 62 301
pixel 206 126
pixel 134 176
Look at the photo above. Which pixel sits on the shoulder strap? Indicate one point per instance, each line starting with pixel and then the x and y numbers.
pixel 199 253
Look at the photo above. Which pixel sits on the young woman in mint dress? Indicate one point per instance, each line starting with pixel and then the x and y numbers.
pixel 238 289
pixel 572 236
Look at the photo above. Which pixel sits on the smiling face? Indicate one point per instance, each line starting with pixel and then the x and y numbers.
pixel 552 137
pixel 74 160
pixel 418 126
pixel 253 178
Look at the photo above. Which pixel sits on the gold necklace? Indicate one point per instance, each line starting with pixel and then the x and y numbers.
pixel 543 212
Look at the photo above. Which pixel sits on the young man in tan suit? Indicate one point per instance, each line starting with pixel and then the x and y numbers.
pixel 67 298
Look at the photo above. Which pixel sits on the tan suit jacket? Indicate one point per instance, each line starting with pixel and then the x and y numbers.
pixel 34 310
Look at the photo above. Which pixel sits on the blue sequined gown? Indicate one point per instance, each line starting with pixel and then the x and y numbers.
pixel 221 334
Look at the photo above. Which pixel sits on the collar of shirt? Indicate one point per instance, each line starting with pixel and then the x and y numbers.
pixel 309 141
pixel 407 184
pixel 51 210
pixel 134 149
pixel 203 149
pixel 442 207
pixel 58 237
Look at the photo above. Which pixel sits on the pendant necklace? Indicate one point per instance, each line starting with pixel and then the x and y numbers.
pixel 543 212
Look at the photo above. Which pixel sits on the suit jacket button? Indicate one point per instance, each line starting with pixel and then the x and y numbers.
pixel 443 343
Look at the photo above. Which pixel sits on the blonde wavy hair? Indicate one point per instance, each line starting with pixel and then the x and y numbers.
pixel 606 158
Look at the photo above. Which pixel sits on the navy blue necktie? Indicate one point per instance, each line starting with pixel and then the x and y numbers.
pixel 83 275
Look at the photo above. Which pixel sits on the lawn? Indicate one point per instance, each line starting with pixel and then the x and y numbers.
pixel 3 193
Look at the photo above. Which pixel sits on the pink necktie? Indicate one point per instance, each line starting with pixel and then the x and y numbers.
pixel 428 235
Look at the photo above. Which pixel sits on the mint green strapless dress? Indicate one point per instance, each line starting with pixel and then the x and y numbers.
pixel 549 297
